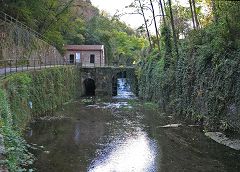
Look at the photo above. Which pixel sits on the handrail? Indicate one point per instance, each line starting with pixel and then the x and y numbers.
pixel 10 66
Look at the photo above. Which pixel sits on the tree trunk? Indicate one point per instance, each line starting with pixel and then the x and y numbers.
pixel 195 14
pixel 165 4
pixel 173 27
pixel 163 14
pixel 191 8
pixel 155 25
pixel 145 22
pixel 214 11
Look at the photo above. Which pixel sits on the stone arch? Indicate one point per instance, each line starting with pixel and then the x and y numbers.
pixel 122 74
pixel 89 87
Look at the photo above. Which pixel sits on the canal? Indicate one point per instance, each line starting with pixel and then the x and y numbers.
pixel 123 135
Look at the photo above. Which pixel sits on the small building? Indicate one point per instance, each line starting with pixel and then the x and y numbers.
pixel 86 55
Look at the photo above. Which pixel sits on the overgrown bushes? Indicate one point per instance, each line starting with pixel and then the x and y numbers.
pixel 15 146
pixel 203 84
pixel 27 95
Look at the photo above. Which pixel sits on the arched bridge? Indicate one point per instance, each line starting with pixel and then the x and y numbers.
pixel 102 81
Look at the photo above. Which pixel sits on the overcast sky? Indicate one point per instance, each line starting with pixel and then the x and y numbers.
pixel 111 6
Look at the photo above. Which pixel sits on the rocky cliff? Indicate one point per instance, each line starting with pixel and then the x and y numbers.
pixel 84 8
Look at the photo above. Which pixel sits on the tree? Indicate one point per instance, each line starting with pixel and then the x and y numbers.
pixel 145 22
pixel 155 25
pixel 139 9
pixel 120 41
pixel 214 11
pixel 173 28
pixel 162 10
pixel 195 14
pixel 182 20
pixel 191 8
pixel 60 25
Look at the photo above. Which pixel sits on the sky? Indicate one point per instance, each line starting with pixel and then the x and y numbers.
pixel 111 6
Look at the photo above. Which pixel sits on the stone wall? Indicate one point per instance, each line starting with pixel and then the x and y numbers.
pixel 104 78
pixel 16 42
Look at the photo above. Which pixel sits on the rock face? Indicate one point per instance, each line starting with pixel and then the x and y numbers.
pixel 84 8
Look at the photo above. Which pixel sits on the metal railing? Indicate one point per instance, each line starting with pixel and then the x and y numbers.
pixel 12 66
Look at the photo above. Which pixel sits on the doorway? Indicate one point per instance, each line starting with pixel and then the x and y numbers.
pixel 90 87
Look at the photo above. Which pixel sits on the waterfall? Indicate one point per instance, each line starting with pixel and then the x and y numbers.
pixel 124 89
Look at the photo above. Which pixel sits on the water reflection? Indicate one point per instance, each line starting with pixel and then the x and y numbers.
pixel 136 153
pixel 30 133
pixel 77 133
pixel 94 139
pixel 115 105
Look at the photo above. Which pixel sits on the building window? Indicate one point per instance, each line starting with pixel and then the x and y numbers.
pixel 71 58
pixel 92 58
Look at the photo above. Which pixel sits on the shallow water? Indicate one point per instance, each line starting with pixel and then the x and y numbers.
pixel 116 137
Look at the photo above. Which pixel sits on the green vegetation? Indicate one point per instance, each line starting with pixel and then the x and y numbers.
pixel 58 22
pixel 16 147
pixel 202 82
pixel 24 96
pixel 189 68
pixel 123 46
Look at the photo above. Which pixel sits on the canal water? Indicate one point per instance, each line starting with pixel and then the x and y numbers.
pixel 122 136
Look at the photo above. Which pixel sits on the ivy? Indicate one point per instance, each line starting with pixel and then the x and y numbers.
pixel 27 95
pixel 202 85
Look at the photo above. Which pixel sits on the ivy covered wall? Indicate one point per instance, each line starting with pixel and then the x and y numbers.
pixel 24 96
pixel 201 86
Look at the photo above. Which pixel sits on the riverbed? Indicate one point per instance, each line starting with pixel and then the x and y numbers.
pixel 123 135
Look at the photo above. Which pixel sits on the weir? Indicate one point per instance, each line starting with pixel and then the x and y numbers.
pixel 104 81
pixel 123 89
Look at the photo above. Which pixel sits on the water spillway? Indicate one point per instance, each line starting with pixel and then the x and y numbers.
pixel 124 90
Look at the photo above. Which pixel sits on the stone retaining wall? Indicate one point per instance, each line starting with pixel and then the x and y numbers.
pixel 21 45
pixel 17 42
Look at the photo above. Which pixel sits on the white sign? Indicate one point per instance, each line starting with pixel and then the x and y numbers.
pixel 78 58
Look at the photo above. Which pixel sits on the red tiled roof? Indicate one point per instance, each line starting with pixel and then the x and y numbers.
pixel 84 47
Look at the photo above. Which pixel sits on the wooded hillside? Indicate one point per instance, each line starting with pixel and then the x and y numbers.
pixel 77 22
